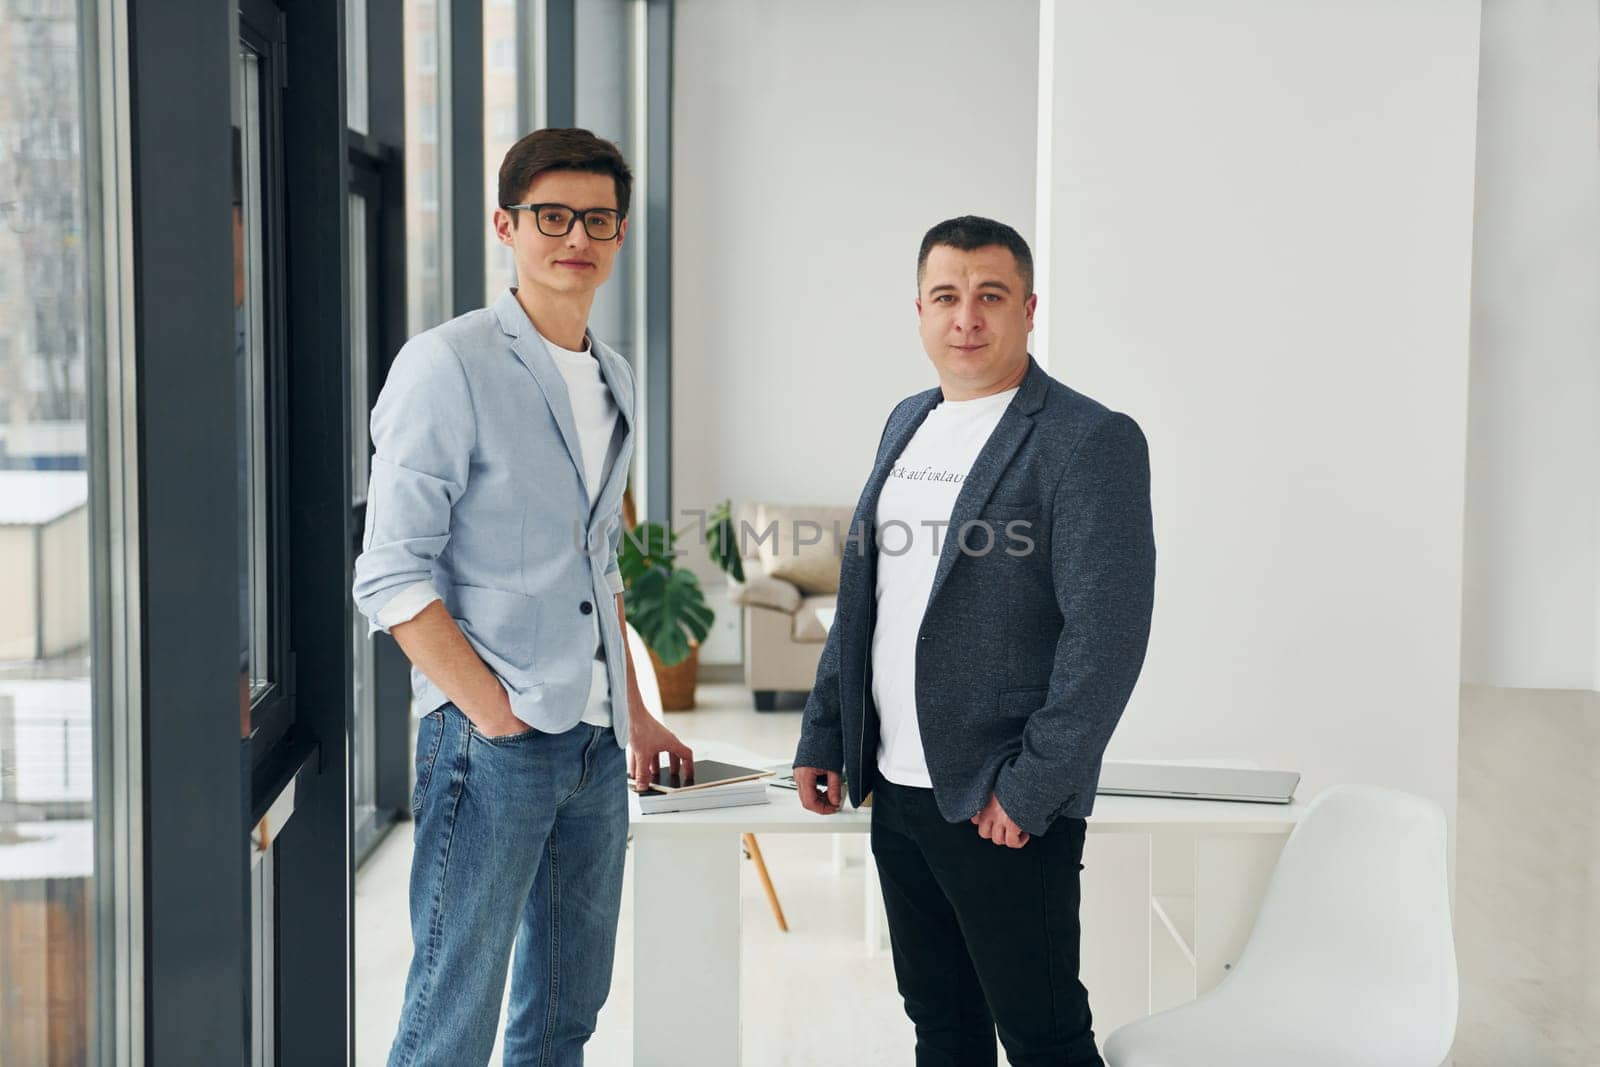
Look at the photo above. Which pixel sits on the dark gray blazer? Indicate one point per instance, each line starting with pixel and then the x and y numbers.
pixel 1025 659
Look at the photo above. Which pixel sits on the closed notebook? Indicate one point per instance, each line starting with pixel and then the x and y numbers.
pixel 729 796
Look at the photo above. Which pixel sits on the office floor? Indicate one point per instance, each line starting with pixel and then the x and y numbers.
pixel 1527 922
pixel 1528 878
pixel 802 992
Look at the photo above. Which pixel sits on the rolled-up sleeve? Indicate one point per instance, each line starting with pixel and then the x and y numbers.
pixel 407 604
pixel 423 433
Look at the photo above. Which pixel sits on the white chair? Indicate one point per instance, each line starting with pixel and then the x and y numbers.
pixel 1351 961
pixel 650 690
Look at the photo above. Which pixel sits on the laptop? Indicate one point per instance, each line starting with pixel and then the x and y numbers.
pixel 1197 783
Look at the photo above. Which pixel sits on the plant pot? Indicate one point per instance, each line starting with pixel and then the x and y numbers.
pixel 677 682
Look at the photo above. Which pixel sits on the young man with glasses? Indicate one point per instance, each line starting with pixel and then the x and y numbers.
pixel 501 447
pixel 972 678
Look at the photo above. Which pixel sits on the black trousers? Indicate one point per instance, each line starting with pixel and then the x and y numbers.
pixel 985 937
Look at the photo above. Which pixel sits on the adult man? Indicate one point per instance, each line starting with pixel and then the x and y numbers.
pixel 496 435
pixel 972 687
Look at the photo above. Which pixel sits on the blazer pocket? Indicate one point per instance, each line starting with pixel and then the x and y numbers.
pixel 1014 523
pixel 502 627
pixel 999 512
pixel 1023 702
pixel 1012 507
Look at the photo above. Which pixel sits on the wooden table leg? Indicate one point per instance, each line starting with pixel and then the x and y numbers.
pixel 766 880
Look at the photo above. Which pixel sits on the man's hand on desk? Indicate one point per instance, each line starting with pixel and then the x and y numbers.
pixel 647 740
pixel 995 825
pixel 820 791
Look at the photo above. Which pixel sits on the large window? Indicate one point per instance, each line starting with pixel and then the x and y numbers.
pixel 56 687
pixel 427 104
pixel 501 129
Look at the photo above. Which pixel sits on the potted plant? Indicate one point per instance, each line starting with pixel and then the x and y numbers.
pixel 666 604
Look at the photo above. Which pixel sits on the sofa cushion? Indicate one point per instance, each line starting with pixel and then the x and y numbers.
pixel 813 568
pixel 764 591
pixel 807 626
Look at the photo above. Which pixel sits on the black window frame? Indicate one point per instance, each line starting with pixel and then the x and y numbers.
pixel 272 713
pixel 376 174
pixel 202 795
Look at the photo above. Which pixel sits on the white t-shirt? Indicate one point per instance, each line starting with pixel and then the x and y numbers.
pixel 914 513
pixel 595 412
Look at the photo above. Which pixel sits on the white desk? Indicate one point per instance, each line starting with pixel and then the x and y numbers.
pixel 1170 891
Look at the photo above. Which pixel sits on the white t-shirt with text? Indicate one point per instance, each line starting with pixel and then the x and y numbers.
pixel 913 514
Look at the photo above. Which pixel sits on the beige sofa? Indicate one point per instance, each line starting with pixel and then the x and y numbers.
pixel 786 584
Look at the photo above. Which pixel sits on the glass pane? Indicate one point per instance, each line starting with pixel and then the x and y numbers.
pixel 363 748
pixel 500 132
pixel 249 303
pixel 427 102
pixel 360 349
pixel 47 800
pixel 356 91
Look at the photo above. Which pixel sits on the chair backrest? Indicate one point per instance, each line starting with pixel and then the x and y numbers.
pixel 1356 921
pixel 796 542
pixel 644 672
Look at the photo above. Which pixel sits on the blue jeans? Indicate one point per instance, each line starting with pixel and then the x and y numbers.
pixel 519 840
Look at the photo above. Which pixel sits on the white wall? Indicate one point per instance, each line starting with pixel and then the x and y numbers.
pixel 814 142
pixel 1260 248
pixel 1531 588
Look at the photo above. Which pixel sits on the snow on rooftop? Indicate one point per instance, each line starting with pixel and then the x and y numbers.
pixel 33 498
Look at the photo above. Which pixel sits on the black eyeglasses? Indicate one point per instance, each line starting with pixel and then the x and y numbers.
pixel 557 220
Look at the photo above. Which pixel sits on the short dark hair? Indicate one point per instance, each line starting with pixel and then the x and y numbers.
pixel 972 232
pixel 562 148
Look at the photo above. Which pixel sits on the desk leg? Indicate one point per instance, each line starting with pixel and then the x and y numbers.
pixel 1115 915
pixel 1231 872
pixel 686 949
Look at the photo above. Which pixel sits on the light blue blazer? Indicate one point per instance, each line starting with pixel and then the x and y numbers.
pixel 477 487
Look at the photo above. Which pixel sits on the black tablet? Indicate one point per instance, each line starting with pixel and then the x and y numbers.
pixel 707 773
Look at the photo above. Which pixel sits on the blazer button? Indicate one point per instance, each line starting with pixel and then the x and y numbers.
pixel 586 607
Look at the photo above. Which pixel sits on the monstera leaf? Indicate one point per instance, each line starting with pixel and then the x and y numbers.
pixel 647 545
pixel 667 607
pixel 722 542
pixel 665 604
